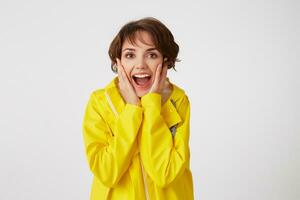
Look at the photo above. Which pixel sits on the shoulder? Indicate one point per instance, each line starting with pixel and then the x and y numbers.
pixel 98 94
pixel 96 97
pixel 178 95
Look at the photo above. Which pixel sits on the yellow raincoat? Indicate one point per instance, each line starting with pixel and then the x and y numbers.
pixel 138 152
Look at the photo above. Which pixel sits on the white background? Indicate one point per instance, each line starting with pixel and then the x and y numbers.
pixel 240 68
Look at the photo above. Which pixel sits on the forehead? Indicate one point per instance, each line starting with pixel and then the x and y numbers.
pixel 139 39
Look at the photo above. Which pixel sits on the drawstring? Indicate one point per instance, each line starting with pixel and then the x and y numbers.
pixel 111 105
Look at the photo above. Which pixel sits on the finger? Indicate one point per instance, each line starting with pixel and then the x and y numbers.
pixel 164 73
pixel 157 74
pixel 155 84
pixel 162 76
pixel 124 74
pixel 125 78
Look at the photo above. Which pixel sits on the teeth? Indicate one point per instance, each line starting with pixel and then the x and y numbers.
pixel 141 75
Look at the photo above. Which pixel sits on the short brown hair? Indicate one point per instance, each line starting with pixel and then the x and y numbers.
pixel 161 35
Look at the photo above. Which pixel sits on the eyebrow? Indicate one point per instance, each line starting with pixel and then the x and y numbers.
pixel 131 49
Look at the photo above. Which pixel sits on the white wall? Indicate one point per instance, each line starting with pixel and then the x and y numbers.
pixel 240 68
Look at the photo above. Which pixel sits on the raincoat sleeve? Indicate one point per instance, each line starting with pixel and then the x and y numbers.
pixel 109 156
pixel 164 156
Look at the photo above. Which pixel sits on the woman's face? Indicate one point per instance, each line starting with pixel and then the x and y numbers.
pixel 140 62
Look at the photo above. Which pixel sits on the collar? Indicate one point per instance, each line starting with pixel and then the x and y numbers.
pixel 115 96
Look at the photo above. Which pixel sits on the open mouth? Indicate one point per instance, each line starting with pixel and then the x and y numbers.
pixel 142 80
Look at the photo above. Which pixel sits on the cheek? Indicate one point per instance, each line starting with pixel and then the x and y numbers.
pixel 153 69
pixel 128 70
pixel 153 66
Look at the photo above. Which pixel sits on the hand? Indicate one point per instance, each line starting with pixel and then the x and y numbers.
pixel 166 92
pixel 160 84
pixel 126 89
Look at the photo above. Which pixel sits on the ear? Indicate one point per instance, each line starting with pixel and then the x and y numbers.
pixel 165 61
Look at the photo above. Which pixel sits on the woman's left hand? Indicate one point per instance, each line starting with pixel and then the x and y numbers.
pixel 160 85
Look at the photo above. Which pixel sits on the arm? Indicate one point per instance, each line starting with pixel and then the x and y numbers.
pixel 109 156
pixel 164 157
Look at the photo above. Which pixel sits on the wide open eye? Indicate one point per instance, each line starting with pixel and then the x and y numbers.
pixel 129 55
pixel 152 55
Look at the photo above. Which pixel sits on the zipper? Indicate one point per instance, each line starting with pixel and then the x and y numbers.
pixel 144 181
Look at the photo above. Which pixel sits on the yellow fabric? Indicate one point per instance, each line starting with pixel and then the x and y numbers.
pixel 117 144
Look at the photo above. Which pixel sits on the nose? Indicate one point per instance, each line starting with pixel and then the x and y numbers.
pixel 140 64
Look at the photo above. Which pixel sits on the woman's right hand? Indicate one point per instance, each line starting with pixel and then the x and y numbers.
pixel 126 89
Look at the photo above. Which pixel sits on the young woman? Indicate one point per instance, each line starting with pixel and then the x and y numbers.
pixel 136 129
